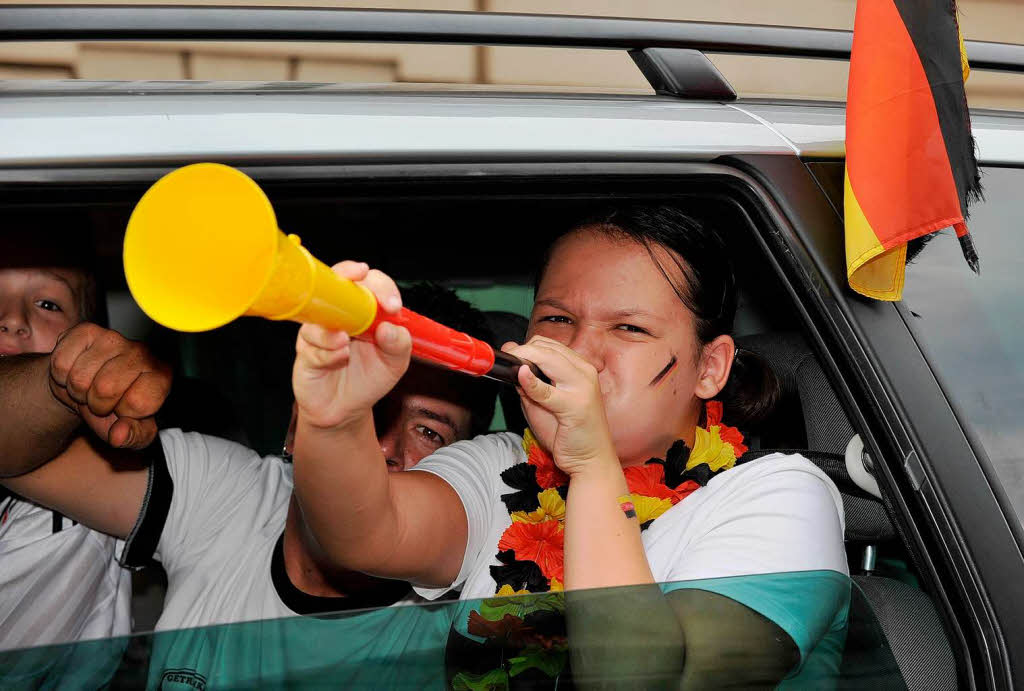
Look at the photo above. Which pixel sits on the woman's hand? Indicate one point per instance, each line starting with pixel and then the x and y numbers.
pixel 336 379
pixel 568 415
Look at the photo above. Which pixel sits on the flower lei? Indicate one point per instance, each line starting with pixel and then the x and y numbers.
pixel 531 549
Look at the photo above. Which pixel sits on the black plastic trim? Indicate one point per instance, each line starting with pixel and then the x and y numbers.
pixel 682 72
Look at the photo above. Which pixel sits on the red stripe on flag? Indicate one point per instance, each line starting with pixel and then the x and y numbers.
pixel 896 156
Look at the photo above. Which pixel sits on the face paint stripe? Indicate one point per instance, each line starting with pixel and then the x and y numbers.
pixel 665 370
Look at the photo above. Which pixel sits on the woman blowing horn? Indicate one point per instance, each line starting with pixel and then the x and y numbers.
pixel 628 476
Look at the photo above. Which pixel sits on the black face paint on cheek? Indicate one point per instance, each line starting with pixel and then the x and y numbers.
pixel 665 370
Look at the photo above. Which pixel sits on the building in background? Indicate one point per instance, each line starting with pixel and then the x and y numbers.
pixel 986 20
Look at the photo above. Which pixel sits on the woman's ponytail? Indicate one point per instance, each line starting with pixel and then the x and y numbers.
pixel 751 392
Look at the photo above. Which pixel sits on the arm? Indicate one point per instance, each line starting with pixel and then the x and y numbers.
pixel 704 641
pixel 112 384
pixel 37 427
pixel 356 515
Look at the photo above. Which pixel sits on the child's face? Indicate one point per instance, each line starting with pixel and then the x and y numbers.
pixel 36 306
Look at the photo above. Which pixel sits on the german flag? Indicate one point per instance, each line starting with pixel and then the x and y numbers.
pixel 910 165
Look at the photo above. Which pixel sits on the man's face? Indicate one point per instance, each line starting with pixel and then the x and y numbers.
pixel 423 413
pixel 36 306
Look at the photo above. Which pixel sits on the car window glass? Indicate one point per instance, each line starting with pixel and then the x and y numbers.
pixel 971 324
pixel 421 646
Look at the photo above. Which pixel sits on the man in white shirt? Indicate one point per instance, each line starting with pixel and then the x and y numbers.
pixel 222 520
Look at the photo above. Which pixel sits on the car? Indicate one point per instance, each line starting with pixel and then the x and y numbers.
pixel 914 408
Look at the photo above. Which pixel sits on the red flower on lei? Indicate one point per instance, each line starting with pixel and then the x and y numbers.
pixel 649 481
pixel 542 543
pixel 730 435
pixel 548 474
pixel 686 489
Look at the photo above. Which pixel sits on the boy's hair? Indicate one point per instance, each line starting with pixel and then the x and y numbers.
pixel 443 305
pixel 45 238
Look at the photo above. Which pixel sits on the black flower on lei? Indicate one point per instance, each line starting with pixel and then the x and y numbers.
pixel 520 575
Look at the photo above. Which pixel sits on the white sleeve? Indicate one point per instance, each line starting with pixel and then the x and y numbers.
pixel 473 468
pixel 781 515
pixel 197 489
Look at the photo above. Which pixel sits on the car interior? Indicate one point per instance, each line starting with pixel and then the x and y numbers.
pixel 484 238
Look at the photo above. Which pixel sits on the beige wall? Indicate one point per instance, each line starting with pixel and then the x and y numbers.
pixel 990 20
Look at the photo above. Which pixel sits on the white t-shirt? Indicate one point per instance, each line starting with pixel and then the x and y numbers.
pixel 59 580
pixel 768 533
pixel 216 512
pixel 777 514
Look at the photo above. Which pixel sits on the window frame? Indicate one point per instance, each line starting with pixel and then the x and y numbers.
pixel 799 233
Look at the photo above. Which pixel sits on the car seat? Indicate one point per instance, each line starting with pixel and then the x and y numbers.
pixel 884 612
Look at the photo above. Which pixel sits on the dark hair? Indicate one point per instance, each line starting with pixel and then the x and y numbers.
pixel 47 238
pixel 709 291
pixel 443 305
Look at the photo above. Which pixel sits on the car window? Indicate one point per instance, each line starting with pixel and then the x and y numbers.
pixel 971 324
pixel 460 644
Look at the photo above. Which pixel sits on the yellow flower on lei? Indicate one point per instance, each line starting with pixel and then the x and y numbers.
pixel 552 508
pixel 708 447
pixel 507 591
pixel 649 508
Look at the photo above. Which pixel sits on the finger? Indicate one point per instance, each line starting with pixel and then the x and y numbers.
pixel 508 345
pixel 70 345
pixel 144 397
pixel 545 395
pixel 352 270
pixel 110 383
pixel 320 359
pixel 129 433
pixel 88 363
pixel 385 290
pixel 100 425
pixel 555 365
pixel 580 363
pixel 394 341
pixel 318 336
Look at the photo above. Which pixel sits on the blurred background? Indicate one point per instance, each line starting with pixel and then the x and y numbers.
pixel 986 20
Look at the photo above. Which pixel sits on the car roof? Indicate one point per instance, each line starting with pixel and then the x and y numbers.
pixel 72 123
pixel 135 122
pixel 818 130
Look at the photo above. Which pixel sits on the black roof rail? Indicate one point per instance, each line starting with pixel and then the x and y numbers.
pixel 668 52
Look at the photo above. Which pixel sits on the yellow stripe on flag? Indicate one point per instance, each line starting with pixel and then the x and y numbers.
pixel 965 66
pixel 871 269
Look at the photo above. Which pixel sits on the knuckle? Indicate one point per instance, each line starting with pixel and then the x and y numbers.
pixel 79 380
pixel 105 387
pixel 136 399
pixel 60 365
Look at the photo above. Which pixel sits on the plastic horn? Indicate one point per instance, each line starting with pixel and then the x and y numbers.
pixel 203 248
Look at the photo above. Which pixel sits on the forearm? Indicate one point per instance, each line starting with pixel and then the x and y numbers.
pixel 620 637
pixel 602 546
pixel 36 426
pixel 341 483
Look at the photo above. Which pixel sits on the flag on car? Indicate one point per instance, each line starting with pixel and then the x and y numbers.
pixel 910 165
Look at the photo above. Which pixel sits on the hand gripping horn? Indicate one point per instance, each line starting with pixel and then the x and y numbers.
pixel 203 248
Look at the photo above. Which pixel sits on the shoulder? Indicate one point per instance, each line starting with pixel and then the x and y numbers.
pixel 777 514
pixel 206 458
pixel 781 477
pixel 177 444
pixel 487 454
